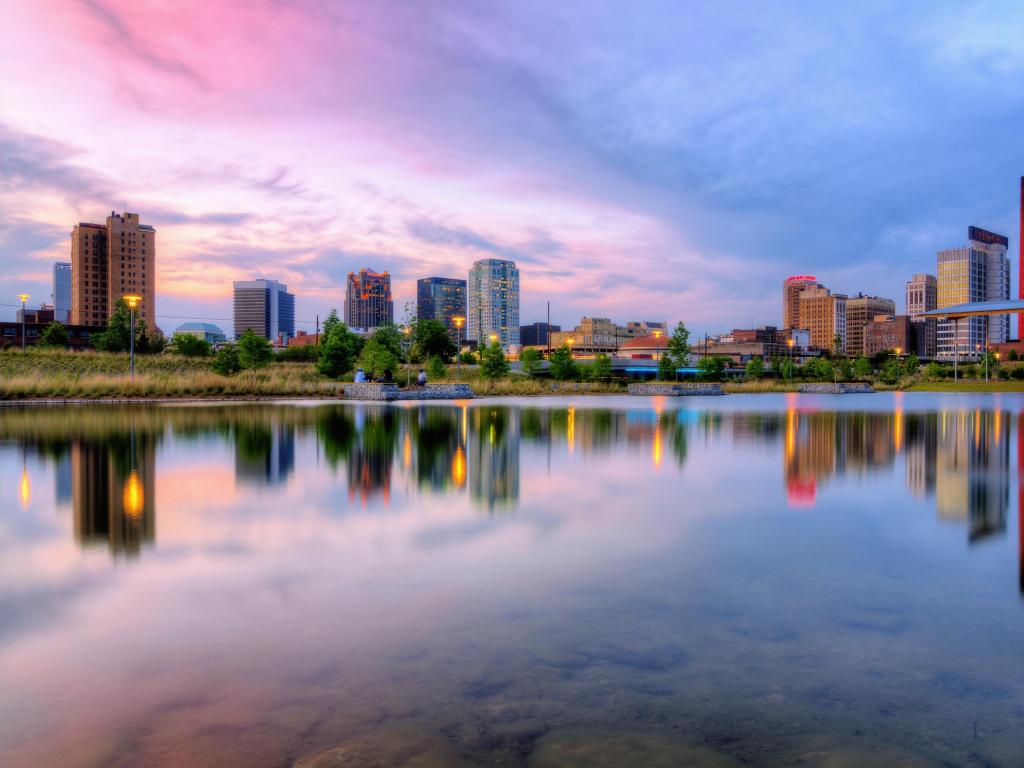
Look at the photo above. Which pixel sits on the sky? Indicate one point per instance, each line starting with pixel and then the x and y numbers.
pixel 638 160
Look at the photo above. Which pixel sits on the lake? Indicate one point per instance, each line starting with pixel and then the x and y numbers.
pixel 601 581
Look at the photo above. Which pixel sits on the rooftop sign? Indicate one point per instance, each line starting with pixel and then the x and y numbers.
pixel 989 238
pixel 803 278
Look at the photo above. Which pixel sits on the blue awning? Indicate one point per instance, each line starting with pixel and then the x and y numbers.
pixel 977 309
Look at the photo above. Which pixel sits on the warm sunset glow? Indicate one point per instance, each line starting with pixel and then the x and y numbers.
pixel 134 499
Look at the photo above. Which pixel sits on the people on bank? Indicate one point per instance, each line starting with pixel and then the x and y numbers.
pixel 362 378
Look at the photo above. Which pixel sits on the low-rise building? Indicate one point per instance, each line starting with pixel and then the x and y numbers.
pixel 206 331
pixel 597 335
pixel 78 335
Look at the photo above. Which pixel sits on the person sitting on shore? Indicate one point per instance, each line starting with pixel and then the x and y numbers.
pixel 386 378
pixel 421 378
pixel 360 376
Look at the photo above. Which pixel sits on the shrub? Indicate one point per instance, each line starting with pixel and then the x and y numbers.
pixel 226 362
pixel 562 365
pixel 54 335
pixel 755 369
pixel 435 368
pixel 253 351
pixel 530 362
pixel 1018 372
pixel 190 346
pixel 493 364
pixel 338 351
pixel 602 368
pixel 468 357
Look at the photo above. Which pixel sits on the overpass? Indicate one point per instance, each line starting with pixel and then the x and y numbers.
pixel 957 312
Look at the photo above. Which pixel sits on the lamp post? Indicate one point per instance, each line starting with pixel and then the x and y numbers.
pixel 132 301
pixel 458 320
pixel 570 341
pixel 406 347
pixel 24 297
pixel 789 343
pixel 898 351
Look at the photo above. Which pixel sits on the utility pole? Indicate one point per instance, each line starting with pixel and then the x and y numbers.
pixel 317 342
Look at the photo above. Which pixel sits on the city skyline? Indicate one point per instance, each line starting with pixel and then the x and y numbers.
pixel 712 166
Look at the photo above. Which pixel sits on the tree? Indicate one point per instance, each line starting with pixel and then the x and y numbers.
pixel 330 323
pixel 54 335
pixel 562 366
pixel 844 366
pixel 933 371
pixel 493 364
pixel 891 371
pixel 338 349
pixel 433 340
pixel 377 359
pixel 390 338
pixel 667 367
pixel 1013 356
pixel 602 368
pixel 679 345
pixel 468 357
pixel 755 369
pixel 711 368
pixel 435 368
pixel 190 345
pixel 226 362
pixel 862 368
pixel 817 369
pixel 117 335
pixel 837 346
pixel 530 362
pixel 911 364
pixel 253 351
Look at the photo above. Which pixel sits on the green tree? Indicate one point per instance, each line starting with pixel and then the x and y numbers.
pixel 1013 356
pixel 862 368
pixel 911 364
pixel 890 373
pixel 189 345
pixel 469 357
pixel 933 371
pixel 226 362
pixel 117 335
pixel 844 366
pixel 54 335
pixel 493 364
pixel 391 338
pixel 755 369
pixel 837 345
pixel 602 368
pixel 561 364
pixel 330 324
pixel 432 339
pixel 253 351
pixel 667 367
pixel 338 350
pixel 679 345
pixel 435 368
pixel 377 359
pixel 817 369
pixel 530 362
pixel 711 368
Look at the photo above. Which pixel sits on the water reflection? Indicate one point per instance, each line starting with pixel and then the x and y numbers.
pixel 492 572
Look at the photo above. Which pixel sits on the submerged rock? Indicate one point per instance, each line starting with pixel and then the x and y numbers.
pixel 388 748
pixel 599 747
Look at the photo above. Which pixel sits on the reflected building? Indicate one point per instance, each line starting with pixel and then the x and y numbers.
pixel 973 471
pixel 62 478
pixel 264 453
pixel 439 461
pixel 494 457
pixel 112 488
pixel 370 461
pixel 921 440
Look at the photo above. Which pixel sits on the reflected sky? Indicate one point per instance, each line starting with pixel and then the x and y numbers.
pixel 771 579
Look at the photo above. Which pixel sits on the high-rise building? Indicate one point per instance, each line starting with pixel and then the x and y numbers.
pixel 264 307
pixel 791 289
pixel 110 261
pixel 493 294
pixel 1020 263
pixel 922 294
pixel 441 299
pixel 62 291
pixel 860 310
pixel 368 301
pixel 823 314
pixel 978 271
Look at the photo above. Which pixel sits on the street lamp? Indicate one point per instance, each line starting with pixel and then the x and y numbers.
pixel 132 301
pixel 657 335
pixel 898 350
pixel 24 297
pixel 570 341
pixel 789 343
pixel 406 346
pixel 458 320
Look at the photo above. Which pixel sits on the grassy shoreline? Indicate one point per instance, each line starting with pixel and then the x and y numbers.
pixel 54 375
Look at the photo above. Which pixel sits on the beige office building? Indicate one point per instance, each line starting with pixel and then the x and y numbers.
pixel 823 315
pixel 861 310
pixel 110 261
pixel 792 287
pixel 922 294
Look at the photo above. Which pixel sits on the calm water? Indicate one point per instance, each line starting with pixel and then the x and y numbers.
pixel 773 580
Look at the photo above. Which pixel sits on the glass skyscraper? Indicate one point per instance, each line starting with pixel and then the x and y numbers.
pixel 62 291
pixel 493 294
pixel 441 298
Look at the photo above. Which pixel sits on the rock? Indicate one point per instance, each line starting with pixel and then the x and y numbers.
pixel 599 747
pixel 388 748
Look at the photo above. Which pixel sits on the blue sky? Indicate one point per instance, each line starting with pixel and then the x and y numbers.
pixel 639 160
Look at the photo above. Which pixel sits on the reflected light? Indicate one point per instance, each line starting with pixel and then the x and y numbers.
pixel 25 489
pixel 656 451
pixel 133 495
pixel 459 467
pixel 407 451
pixel 570 428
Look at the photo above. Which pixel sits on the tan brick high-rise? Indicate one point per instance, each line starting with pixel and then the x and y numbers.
pixel 109 261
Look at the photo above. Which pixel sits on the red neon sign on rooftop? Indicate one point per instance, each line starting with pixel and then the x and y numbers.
pixel 794 278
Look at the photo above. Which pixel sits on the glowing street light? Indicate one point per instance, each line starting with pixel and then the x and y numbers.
pixel 657 335
pixel 24 297
pixel 898 351
pixel 570 341
pixel 407 346
pixel 132 301
pixel 789 343
pixel 458 320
